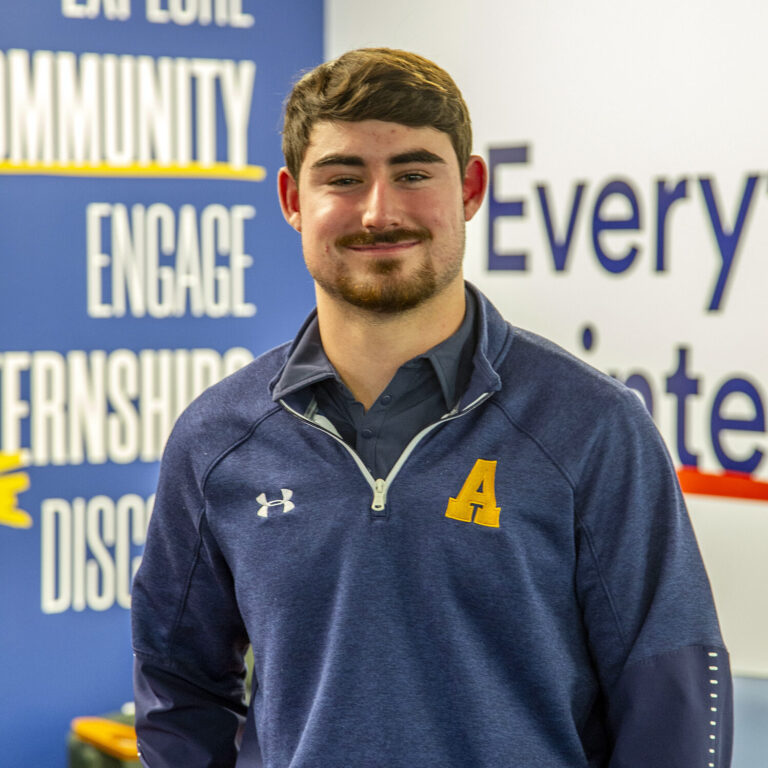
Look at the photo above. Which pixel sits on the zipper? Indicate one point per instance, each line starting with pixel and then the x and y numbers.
pixel 377 486
pixel 379 495
pixel 380 486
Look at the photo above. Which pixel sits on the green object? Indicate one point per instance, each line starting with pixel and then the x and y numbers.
pixel 82 755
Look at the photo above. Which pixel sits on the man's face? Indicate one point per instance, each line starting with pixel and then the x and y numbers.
pixel 381 208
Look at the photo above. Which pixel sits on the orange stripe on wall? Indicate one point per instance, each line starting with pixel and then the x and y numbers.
pixel 734 485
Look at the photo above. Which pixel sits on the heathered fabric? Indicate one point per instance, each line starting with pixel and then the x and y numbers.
pixel 580 632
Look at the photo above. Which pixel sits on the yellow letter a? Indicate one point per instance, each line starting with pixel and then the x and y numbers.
pixel 477 497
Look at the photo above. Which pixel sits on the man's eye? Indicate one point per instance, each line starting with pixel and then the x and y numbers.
pixel 344 181
pixel 411 177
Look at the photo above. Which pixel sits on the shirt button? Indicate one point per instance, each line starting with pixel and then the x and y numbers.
pixel 386 399
pixel 366 433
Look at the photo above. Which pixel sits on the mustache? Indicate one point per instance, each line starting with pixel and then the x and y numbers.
pixel 388 237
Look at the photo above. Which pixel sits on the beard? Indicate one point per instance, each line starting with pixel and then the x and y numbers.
pixel 382 288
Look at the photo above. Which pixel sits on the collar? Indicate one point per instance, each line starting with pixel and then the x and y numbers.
pixel 307 364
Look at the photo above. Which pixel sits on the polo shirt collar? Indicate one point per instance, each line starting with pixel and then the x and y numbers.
pixel 308 364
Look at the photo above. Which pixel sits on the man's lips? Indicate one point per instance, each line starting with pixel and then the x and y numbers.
pixel 383 242
pixel 384 247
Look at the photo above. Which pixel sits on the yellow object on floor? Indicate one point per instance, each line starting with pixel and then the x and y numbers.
pixel 115 739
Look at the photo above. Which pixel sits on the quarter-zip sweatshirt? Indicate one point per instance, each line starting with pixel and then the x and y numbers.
pixel 523 588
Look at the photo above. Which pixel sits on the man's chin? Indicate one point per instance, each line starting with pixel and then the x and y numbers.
pixel 385 297
pixel 385 302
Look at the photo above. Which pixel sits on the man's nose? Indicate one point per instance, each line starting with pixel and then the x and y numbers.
pixel 381 207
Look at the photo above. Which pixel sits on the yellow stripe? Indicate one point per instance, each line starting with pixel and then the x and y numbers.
pixel 15 518
pixel 149 171
pixel 10 461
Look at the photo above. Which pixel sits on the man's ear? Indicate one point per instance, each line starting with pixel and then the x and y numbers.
pixel 288 192
pixel 475 182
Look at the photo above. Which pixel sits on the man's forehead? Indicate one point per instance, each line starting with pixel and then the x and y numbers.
pixel 357 143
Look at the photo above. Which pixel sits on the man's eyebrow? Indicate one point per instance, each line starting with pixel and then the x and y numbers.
pixel 412 156
pixel 354 160
pixel 416 156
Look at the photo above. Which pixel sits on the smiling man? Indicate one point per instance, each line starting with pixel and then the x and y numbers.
pixel 448 542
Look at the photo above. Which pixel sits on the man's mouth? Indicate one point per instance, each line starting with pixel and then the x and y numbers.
pixel 390 240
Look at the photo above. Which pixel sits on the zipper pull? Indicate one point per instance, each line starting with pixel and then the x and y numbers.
pixel 379 495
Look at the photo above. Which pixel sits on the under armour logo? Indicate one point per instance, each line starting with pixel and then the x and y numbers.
pixel 285 502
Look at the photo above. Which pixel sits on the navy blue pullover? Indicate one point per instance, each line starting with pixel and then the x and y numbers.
pixel 522 589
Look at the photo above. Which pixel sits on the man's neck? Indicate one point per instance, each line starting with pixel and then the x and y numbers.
pixel 366 348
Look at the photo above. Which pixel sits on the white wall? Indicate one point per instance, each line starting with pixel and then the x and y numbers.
pixel 601 91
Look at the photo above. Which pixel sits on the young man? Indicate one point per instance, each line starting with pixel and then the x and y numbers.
pixel 448 542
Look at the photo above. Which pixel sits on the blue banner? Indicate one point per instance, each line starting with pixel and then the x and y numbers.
pixel 143 256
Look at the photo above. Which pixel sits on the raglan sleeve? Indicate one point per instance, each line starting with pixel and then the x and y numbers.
pixel 647 604
pixel 188 636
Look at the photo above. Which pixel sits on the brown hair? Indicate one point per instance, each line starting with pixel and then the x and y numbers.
pixel 376 84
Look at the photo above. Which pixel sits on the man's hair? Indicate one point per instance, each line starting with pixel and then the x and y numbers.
pixel 376 84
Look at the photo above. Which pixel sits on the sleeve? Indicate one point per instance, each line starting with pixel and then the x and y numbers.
pixel 188 636
pixel 647 604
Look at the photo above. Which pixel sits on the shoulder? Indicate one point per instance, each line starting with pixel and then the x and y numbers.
pixel 572 409
pixel 225 413
pixel 536 369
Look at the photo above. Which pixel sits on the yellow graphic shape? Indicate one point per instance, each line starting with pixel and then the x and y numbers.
pixel 476 502
pixel 11 485
pixel 136 170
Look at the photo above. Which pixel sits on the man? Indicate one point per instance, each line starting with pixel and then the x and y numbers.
pixel 449 543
